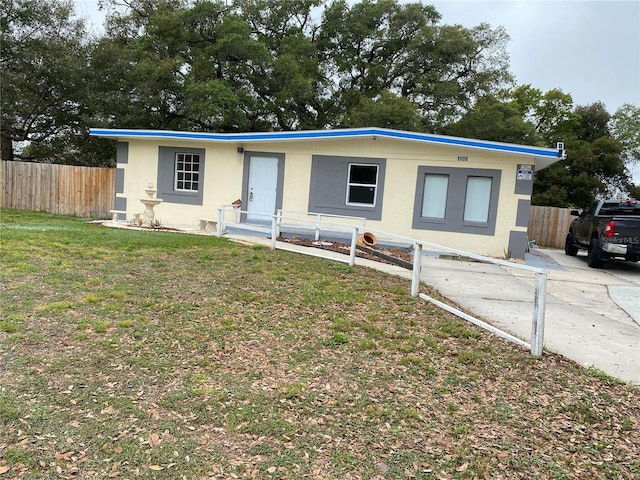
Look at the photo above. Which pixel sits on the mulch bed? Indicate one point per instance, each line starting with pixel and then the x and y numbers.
pixel 392 256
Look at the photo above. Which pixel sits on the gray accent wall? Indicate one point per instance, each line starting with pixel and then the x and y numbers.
pixel 517 244
pixel 328 188
pixel 454 212
pixel 522 216
pixel 524 179
pixel 122 157
pixel 120 204
pixel 119 180
pixel 122 152
pixel 166 174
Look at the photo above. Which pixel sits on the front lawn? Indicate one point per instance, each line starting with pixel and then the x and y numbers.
pixel 127 354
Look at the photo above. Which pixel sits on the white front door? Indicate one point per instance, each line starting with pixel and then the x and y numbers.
pixel 263 185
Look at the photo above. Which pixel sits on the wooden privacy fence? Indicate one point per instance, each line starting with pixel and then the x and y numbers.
pixel 83 192
pixel 549 226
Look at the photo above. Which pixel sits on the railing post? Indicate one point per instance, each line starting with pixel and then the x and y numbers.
pixel 417 267
pixel 274 231
pixel 537 325
pixel 220 226
pixel 279 222
pixel 317 236
pixel 352 250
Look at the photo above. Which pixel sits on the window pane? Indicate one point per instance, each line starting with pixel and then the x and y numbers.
pixel 364 174
pixel 362 183
pixel 185 164
pixel 476 204
pixel 434 201
pixel 362 194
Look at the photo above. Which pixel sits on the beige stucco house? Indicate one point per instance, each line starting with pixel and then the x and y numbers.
pixel 466 194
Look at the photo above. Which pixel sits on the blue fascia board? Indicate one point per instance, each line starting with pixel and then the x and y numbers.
pixel 326 134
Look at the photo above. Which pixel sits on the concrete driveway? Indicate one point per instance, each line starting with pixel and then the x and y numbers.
pixel 622 279
pixel 592 315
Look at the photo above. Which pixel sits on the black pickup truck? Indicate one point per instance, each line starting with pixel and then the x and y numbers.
pixel 607 229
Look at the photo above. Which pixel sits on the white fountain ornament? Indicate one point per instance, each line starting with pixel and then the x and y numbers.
pixel 148 216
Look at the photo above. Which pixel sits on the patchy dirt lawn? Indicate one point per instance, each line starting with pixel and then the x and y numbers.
pixel 158 355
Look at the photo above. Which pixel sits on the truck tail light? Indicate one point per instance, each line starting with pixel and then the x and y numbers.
pixel 610 229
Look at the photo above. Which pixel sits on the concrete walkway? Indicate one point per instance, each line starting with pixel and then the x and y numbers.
pixel 592 315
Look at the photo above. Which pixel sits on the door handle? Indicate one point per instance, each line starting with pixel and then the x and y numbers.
pixel 251 196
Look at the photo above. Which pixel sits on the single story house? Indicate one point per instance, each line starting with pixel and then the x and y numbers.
pixel 466 194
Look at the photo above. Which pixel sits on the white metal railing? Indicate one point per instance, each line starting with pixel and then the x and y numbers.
pixel 312 222
pixel 317 222
pixel 299 222
pixel 537 324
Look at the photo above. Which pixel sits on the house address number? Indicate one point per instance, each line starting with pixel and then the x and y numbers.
pixel 463 159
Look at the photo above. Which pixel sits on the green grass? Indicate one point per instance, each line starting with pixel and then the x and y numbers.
pixel 148 355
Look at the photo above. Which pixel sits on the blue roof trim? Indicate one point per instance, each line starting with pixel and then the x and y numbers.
pixel 327 134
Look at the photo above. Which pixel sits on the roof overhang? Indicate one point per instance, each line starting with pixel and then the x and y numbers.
pixel 542 157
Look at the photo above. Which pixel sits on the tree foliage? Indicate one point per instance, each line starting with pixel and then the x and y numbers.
pixel 500 121
pixel 376 47
pixel 258 65
pixel 625 128
pixel 594 167
pixel 43 76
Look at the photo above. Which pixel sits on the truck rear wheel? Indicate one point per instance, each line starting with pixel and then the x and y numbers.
pixel 593 259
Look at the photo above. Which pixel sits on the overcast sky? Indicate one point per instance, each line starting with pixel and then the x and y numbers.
pixel 590 49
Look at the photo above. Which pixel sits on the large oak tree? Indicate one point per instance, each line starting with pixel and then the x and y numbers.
pixel 43 60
